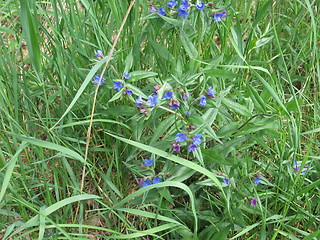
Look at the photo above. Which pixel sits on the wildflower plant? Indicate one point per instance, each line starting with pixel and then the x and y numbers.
pixel 199 116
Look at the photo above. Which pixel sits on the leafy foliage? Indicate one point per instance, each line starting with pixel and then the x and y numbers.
pixel 201 121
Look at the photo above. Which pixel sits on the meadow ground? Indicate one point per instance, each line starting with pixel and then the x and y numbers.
pixel 193 121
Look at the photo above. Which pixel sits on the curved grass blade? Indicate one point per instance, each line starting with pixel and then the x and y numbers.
pixel 65 151
pixel 81 89
pixel 159 185
pixel 10 168
pixel 38 219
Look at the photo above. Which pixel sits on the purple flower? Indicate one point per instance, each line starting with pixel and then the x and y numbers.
pixel 188 114
pixel 148 162
pixel 99 54
pixel 181 137
pixel 253 202
pixel 117 85
pixel 126 75
pixel 152 9
pixel 139 101
pixel 197 139
pixel 211 92
pixel 203 100
pixel 153 100
pixel 156 180
pixel 140 181
pixel 168 95
pixel 200 6
pixel 128 91
pixel 184 97
pixel 172 3
pixel 226 180
pixel 97 78
pixel 183 11
pixel 219 15
pixel 192 147
pixel 146 183
pixel 176 147
pixel 257 180
pixel 174 104
pixel 162 11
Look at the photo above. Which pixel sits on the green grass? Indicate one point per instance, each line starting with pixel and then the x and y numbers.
pixel 263 61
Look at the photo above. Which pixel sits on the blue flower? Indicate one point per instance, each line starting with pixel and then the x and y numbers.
pixel 172 3
pixel 197 139
pixel 192 147
pixel 188 114
pixel 146 183
pixel 226 180
pixel 219 15
pixel 200 6
pixel 168 95
pixel 99 54
pixel 126 75
pixel 97 78
pixel 148 162
pixel 203 100
pixel 153 100
pixel 139 101
pixel 162 11
pixel 117 85
pixel 181 137
pixel 185 3
pixel 211 92
pixel 257 180
pixel 183 11
pixel 156 180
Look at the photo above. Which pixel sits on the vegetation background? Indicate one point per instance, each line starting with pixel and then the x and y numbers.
pixel 263 61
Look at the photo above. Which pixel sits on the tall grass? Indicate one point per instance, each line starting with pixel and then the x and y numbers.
pixel 263 61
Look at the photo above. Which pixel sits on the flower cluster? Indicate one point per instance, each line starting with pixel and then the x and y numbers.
pixel 211 93
pixel 193 144
pixel 219 15
pixel 148 182
pixel 97 78
pixel 148 163
pixel 173 103
pixel 117 85
pixel 184 8
pixel 296 167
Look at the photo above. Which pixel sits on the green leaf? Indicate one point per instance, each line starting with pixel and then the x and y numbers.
pixel 221 73
pixel 161 50
pixel 238 108
pixel 188 45
pixel 31 34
